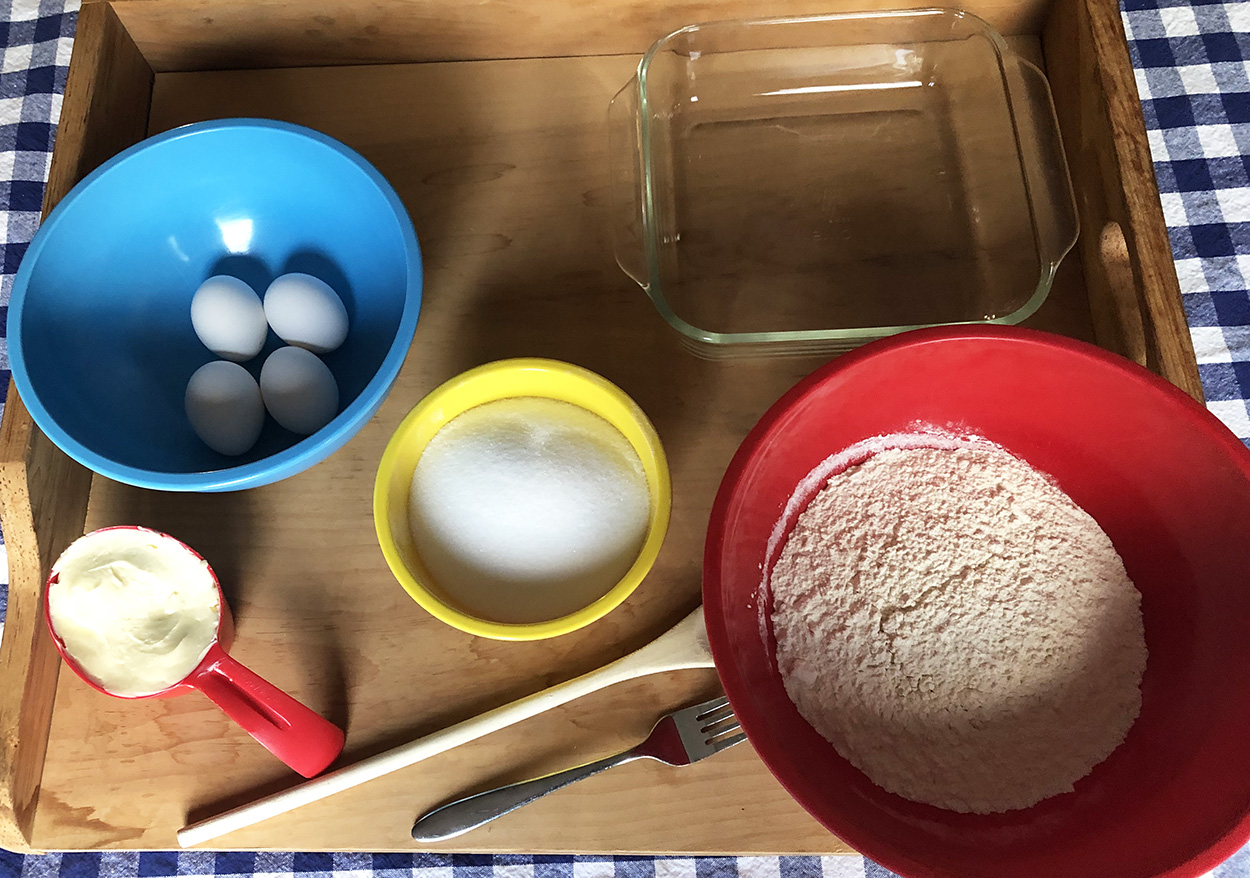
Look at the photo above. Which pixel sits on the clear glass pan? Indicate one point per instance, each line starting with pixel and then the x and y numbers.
pixel 809 184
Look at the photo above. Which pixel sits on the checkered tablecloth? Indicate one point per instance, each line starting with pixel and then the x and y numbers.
pixel 1193 72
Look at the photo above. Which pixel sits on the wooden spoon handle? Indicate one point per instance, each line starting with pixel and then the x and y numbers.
pixel 682 646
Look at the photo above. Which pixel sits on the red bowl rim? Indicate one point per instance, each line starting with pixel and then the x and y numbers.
pixel 1234 838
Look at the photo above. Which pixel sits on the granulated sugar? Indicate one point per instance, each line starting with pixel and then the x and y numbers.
pixel 528 509
pixel 958 628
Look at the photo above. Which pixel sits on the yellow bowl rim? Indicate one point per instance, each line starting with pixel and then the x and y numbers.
pixel 657 526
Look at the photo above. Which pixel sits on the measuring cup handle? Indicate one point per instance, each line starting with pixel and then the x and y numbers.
pixel 292 732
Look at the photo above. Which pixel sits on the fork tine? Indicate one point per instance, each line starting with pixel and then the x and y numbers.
pixel 729 724
pixel 708 707
pixel 725 743
pixel 715 726
pixel 716 717
pixel 707 728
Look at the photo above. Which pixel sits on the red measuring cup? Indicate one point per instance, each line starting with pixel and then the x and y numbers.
pixel 292 732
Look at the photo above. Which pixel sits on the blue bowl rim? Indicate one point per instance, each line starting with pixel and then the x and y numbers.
pixel 294 459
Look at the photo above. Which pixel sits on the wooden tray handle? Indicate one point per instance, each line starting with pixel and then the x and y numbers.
pixel 43 494
pixel 682 646
pixel 1135 297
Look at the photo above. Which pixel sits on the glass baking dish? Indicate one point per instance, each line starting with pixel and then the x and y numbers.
pixel 802 185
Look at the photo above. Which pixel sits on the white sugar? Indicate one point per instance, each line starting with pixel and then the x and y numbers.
pixel 528 509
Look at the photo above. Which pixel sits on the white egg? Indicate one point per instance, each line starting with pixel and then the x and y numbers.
pixel 299 390
pixel 224 406
pixel 229 318
pixel 304 311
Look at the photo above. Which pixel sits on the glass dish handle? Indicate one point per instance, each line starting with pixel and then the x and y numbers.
pixel 1042 158
pixel 625 162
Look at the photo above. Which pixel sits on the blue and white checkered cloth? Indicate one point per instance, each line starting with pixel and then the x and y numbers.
pixel 37 39
pixel 1193 72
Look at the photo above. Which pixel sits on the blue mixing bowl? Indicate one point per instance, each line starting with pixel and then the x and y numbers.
pixel 99 326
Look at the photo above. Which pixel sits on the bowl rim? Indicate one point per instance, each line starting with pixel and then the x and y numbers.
pixel 1230 839
pixel 303 453
pixel 434 410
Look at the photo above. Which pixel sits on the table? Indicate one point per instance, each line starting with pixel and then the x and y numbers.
pixel 1193 73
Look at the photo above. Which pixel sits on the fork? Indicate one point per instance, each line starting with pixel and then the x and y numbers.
pixel 680 738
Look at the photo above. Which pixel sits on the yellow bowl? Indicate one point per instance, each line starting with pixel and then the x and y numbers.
pixel 508 379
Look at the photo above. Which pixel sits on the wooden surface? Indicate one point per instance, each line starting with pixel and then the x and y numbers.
pixel 180 35
pixel 506 184
pixel 683 647
pixel 43 494
pixel 1133 289
pixel 502 167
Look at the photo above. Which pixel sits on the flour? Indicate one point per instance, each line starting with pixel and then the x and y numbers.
pixel 958 628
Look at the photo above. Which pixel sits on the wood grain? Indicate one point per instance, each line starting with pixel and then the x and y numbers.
pixel 1133 289
pixel 502 167
pixel 43 494
pixel 507 188
pixel 683 647
pixel 182 35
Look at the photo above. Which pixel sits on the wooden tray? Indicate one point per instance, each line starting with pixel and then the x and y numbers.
pixel 489 119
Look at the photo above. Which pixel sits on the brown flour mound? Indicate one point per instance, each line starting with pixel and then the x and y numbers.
pixel 958 628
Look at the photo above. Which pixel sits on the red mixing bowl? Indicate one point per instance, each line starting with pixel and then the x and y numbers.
pixel 1168 483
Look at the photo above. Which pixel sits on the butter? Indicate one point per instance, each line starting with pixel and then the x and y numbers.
pixel 135 610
